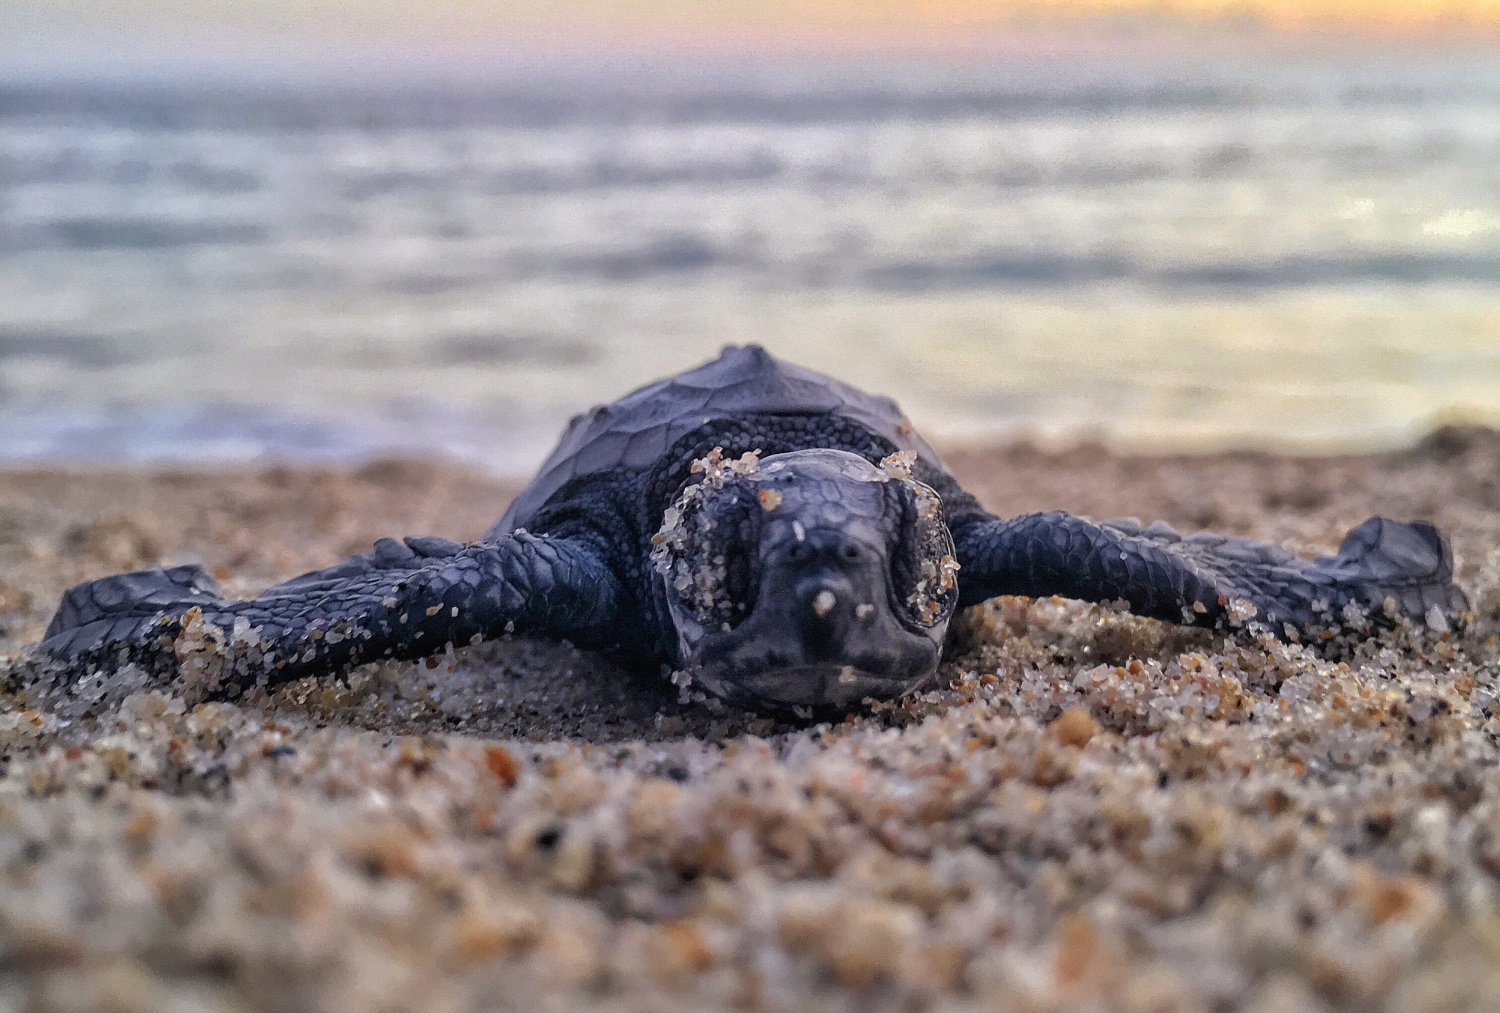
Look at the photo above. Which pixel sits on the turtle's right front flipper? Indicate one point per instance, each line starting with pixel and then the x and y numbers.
pixel 403 600
pixel 1384 568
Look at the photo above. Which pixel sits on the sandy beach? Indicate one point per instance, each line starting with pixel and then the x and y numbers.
pixel 1095 811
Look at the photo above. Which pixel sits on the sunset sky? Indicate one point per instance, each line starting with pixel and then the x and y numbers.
pixel 84 34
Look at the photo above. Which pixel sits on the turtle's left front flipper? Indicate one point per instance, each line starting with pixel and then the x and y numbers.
pixel 1382 566
pixel 403 600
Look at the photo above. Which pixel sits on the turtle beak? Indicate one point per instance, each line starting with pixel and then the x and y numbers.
pixel 823 632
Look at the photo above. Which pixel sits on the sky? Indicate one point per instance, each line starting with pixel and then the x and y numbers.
pixel 99 35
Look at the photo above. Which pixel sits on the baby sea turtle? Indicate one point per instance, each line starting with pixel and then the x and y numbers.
pixel 782 538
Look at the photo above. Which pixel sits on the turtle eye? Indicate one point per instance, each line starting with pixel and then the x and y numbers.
pixel 739 583
pixel 703 552
pixel 924 566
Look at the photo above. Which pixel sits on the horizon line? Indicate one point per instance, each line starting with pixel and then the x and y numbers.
pixel 364 63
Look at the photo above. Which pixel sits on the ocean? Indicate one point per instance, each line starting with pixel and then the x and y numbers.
pixel 1300 256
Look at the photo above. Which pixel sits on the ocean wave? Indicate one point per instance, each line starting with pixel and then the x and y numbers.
pixel 89 351
pixel 667 256
pixel 385 109
pixel 105 232
pixel 1021 270
pixel 76 165
pixel 373 107
pixel 189 432
pixel 491 349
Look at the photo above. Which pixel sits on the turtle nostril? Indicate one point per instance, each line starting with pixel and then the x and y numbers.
pixel 824 602
pixel 851 552
pixel 798 552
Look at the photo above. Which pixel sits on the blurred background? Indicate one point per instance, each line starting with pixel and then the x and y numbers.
pixel 341 228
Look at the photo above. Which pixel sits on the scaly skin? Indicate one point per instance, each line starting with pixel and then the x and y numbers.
pixel 403 600
pixel 1161 574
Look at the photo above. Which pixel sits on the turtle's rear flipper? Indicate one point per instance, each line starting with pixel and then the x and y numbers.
pixel 122 608
pixel 1384 569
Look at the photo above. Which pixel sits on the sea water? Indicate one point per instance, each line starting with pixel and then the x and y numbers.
pixel 1302 256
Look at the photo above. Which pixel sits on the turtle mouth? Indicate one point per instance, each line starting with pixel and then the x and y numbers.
pixel 815 687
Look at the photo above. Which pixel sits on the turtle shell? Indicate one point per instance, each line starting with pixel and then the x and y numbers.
pixel 635 431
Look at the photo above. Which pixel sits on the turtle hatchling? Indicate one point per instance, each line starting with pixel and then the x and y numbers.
pixel 785 540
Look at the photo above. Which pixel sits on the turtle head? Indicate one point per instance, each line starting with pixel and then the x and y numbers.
pixel 812 579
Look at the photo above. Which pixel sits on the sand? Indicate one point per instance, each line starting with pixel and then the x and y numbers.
pixel 1095 811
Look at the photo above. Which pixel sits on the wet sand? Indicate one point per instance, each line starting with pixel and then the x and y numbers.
pixel 1095 812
